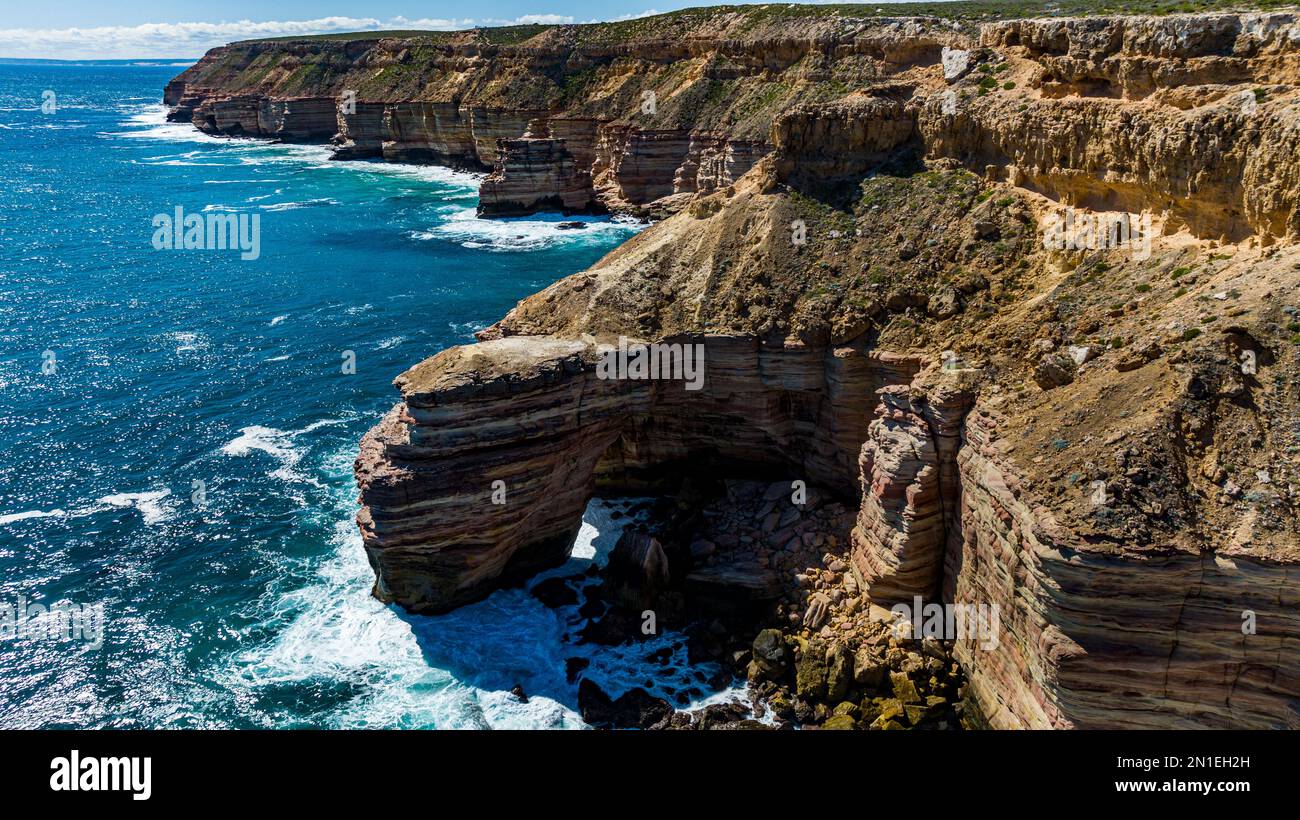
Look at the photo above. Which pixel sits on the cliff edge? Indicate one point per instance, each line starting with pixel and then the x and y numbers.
pixel 1020 292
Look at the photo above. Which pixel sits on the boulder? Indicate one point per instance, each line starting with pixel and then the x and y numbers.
pixel 840 722
pixel 1054 370
pixel 819 606
pixel 555 592
pixel 869 670
pixel 944 303
pixel 636 709
pixel 637 571
pixel 904 689
pixel 770 657
pixel 702 548
pixel 956 63
pixel 1138 357
pixel 810 672
pixel 839 672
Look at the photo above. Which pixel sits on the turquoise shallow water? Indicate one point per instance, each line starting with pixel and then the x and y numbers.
pixel 252 609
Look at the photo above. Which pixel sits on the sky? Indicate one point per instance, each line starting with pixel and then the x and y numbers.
pixel 185 29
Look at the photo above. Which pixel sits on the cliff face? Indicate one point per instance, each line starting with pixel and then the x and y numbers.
pixel 621 117
pixel 590 118
pixel 533 414
pixel 1102 442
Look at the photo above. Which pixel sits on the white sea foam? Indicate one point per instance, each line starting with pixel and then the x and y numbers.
pixel 9 518
pixel 292 206
pixel 186 163
pixel 45 127
pixel 152 124
pixel 416 173
pixel 451 671
pixel 261 152
pixel 465 228
pixel 467 328
pixel 149 504
pixel 280 445
pixel 187 341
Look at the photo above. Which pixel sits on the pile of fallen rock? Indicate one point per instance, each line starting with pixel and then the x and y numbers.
pixel 767 559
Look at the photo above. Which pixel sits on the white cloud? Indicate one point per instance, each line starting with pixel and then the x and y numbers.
pixel 191 40
pixel 540 19
pixel 637 16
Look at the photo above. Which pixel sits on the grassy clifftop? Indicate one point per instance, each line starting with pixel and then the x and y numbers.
pixel 731 68
pixel 662 25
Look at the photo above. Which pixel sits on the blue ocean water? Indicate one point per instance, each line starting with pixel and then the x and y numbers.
pixel 252 608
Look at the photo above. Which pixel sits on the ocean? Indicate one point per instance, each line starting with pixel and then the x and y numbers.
pixel 178 426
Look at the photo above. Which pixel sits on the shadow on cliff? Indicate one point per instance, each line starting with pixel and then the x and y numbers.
pixel 843 192
pixel 511 639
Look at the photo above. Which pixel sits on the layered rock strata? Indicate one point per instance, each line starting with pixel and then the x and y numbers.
pixel 438 538
pixel 572 118
pixel 1137 113
pixel 911 487
pixel 1098 442
pixel 1103 638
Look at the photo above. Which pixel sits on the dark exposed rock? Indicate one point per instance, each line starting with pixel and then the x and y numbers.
pixel 839 672
pixel 770 656
pixel 555 592
pixel 635 709
pixel 615 627
pixel 638 570
pixel 573 667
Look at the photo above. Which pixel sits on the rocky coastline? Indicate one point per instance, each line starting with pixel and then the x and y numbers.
pixel 756 578
pixel 1098 442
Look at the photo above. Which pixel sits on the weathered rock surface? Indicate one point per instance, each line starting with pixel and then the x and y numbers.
pixel 910 486
pixel 438 538
pixel 634 709
pixel 880 316
pixel 570 118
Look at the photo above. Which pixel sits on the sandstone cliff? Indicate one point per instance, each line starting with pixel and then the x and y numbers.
pixel 1103 443
pixel 630 116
